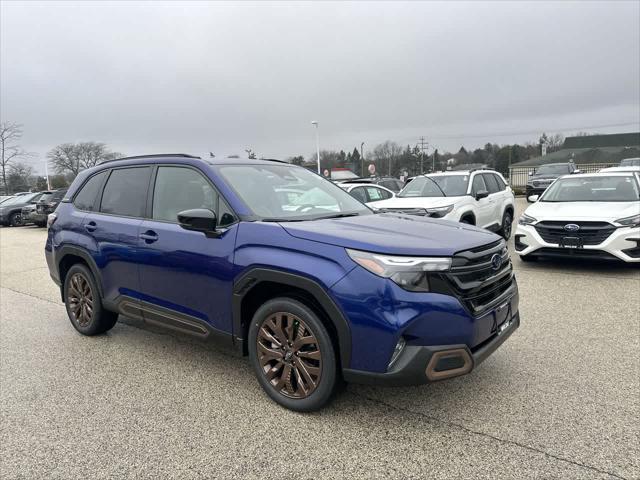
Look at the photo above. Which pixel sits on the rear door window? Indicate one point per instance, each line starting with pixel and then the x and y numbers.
pixel 376 194
pixel 359 193
pixel 86 198
pixel 125 193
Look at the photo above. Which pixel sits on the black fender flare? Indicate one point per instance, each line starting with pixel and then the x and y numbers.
pixel 82 253
pixel 254 276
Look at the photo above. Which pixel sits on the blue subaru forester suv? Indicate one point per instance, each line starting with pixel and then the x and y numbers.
pixel 286 267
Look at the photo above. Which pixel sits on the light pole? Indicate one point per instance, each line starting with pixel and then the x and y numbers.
pixel 314 122
pixel 362 157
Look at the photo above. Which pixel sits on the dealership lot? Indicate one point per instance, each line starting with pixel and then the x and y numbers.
pixel 560 399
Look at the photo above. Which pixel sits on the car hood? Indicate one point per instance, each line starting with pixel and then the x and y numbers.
pixel 416 202
pixel 596 211
pixel 393 234
pixel 546 177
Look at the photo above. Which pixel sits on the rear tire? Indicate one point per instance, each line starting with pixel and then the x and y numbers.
pixel 84 304
pixel 292 355
pixel 507 225
pixel 466 221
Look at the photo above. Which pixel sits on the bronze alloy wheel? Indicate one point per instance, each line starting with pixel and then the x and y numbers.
pixel 289 355
pixel 80 299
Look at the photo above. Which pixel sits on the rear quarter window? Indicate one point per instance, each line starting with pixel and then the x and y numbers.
pixel 85 199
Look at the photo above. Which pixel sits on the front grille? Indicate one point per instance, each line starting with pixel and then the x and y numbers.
pixel 591 233
pixel 408 211
pixel 474 279
pixel 575 253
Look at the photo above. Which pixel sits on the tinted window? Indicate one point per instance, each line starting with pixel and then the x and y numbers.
pixel 490 181
pixel 179 189
pixel 478 184
pixel 376 194
pixel 393 185
pixel 58 195
pixel 126 192
pixel 501 183
pixel 86 197
pixel 359 193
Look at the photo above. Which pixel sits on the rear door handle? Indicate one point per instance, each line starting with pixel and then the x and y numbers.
pixel 90 227
pixel 149 236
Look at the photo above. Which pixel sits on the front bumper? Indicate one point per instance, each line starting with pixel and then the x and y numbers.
pixel 417 364
pixel 623 244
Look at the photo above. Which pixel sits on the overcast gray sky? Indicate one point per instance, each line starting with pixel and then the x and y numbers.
pixel 195 77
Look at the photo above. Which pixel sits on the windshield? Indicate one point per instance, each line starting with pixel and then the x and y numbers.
pixel 630 162
pixel 593 189
pixel 283 193
pixel 436 186
pixel 552 170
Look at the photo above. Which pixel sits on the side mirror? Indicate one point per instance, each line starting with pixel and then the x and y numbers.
pixel 533 198
pixel 481 194
pixel 199 220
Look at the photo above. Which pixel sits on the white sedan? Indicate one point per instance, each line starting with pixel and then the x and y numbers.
pixel 584 216
pixel 368 193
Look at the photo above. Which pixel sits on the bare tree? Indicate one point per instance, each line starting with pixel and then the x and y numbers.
pixel 72 158
pixel 388 152
pixel 10 150
pixel 19 176
pixel 250 154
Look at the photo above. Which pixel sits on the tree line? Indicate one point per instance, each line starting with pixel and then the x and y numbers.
pixel 390 158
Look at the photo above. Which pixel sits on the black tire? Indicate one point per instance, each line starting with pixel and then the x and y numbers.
pixel 466 220
pixel 15 219
pixel 528 258
pixel 278 312
pixel 507 225
pixel 84 304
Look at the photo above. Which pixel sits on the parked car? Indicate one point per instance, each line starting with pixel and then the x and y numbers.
pixel 476 197
pixel 584 216
pixel 46 205
pixel 366 192
pixel 311 294
pixel 630 162
pixel 4 198
pixel 619 169
pixel 390 183
pixel 29 210
pixel 11 210
pixel 545 175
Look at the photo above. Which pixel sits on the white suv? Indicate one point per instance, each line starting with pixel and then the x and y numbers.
pixel 477 197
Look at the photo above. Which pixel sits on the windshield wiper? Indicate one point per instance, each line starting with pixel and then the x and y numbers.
pixel 338 215
pixel 277 220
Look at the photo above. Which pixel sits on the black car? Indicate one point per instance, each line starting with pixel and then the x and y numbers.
pixel 545 175
pixel 46 205
pixel 11 210
pixel 393 184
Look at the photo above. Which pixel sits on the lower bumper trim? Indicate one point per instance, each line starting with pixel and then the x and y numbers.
pixel 424 364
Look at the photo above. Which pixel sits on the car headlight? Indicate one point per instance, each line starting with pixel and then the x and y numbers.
pixel 526 220
pixel 632 221
pixel 439 212
pixel 409 273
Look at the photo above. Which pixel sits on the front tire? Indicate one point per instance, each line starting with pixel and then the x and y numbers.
pixel 292 355
pixel 83 302
pixel 507 225
pixel 15 220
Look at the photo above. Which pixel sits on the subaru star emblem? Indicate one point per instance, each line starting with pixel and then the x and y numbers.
pixel 571 227
pixel 496 261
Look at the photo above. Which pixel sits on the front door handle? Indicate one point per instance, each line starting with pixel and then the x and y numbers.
pixel 91 226
pixel 149 236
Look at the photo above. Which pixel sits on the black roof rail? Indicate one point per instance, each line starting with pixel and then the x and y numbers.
pixel 155 155
pixel 481 168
